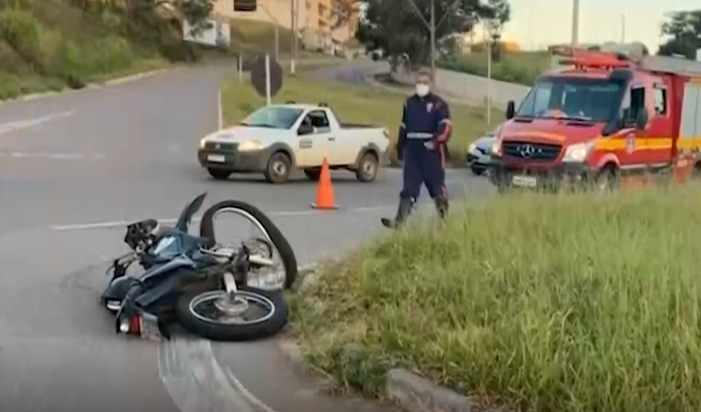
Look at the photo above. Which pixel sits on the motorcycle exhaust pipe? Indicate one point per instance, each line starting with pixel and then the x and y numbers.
pixel 259 260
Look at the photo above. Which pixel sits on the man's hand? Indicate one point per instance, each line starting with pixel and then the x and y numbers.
pixel 430 145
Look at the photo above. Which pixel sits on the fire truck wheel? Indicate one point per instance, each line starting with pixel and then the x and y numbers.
pixel 696 173
pixel 607 179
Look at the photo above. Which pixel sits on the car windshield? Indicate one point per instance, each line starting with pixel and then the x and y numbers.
pixel 594 100
pixel 274 117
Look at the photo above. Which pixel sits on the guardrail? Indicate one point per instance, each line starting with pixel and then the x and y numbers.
pixel 463 86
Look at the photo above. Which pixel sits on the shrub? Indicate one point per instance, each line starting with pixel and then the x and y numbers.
pixel 112 54
pixel 573 303
pixel 72 66
pixel 23 32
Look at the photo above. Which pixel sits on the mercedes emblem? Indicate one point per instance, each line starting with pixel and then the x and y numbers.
pixel 527 151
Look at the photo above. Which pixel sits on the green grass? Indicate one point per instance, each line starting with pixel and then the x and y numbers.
pixel 514 67
pixel 574 303
pixel 354 103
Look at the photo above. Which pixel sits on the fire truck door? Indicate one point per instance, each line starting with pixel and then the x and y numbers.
pixel 689 132
pixel 660 130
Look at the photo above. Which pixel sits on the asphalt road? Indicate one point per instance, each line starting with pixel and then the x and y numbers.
pixel 73 167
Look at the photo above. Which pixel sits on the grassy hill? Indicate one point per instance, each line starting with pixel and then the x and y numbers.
pixel 49 45
pixel 516 67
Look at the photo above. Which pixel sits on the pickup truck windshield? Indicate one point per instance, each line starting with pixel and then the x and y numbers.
pixel 273 117
pixel 584 99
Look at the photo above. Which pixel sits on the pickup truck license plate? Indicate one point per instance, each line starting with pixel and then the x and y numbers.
pixel 216 158
pixel 524 181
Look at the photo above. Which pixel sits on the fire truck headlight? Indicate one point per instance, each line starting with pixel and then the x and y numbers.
pixel 578 152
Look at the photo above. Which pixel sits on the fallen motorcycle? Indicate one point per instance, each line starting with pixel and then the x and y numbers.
pixel 193 281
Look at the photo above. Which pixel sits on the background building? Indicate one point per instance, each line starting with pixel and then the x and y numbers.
pixel 321 24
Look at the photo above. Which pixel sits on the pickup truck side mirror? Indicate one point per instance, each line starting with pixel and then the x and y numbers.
pixel 510 109
pixel 641 119
pixel 304 129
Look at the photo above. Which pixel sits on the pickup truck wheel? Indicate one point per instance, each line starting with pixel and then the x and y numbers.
pixel 367 167
pixel 219 174
pixel 312 174
pixel 279 168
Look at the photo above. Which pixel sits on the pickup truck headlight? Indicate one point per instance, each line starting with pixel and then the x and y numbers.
pixel 578 152
pixel 250 145
pixel 472 147
pixel 203 142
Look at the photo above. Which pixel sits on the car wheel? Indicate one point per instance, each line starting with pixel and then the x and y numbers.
pixel 219 174
pixel 312 174
pixel 367 167
pixel 477 170
pixel 279 168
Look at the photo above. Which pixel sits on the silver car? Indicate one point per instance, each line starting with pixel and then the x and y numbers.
pixel 479 153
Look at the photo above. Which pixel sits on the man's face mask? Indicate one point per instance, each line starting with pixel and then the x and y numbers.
pixel 423 87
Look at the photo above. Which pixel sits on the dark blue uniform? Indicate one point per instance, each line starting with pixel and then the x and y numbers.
pixel 425 119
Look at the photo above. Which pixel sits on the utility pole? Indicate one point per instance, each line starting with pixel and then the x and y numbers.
pixel 623 28
pixel 433 40
pixel 575 22
pixel 293 28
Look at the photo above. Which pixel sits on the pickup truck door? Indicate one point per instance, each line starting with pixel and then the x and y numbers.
pixel 312 148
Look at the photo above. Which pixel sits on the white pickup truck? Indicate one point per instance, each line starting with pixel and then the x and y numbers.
pixel 278 139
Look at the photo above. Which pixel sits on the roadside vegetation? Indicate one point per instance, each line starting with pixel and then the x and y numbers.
pixel 49 45
pixel 353 103
pixel 548 303
pixel 514 67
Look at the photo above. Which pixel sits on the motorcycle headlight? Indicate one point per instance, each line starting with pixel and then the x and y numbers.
pixel 578 152
pixel 250 145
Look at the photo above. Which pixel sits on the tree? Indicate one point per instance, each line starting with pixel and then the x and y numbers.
pixel 683 30
pixel 398 26
pixel 495 15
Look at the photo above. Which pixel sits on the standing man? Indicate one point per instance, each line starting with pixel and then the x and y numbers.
pixel 423 135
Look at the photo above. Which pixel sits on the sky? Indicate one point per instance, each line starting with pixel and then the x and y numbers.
pixel 537 23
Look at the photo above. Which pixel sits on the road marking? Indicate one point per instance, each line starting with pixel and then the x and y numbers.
pixel 24 124
pixel 220 113
pixel 52 156
pixel 123 223
pixel 197 382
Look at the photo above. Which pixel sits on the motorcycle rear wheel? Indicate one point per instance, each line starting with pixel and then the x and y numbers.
pixel 209 325
pixel 264 224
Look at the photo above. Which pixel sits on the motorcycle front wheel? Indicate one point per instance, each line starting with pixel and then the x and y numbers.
pixel 249 314
pixel 264 225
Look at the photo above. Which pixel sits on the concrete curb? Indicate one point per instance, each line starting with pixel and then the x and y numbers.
pixel 112 82
pixel 133 77
pixel 413 393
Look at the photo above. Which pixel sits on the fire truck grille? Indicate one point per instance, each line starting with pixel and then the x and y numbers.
pixel 531 151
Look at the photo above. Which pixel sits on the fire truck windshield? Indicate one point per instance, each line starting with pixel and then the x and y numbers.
pixel 582 99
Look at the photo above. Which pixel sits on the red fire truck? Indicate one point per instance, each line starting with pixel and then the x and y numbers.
pixel 607 119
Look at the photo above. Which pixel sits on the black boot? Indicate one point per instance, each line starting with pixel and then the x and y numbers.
pixel 403 211
pixel 442 207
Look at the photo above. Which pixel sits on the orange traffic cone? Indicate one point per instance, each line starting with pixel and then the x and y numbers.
pixel 324 191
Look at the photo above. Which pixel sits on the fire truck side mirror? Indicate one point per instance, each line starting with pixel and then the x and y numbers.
pixel 510 109
pixel 641 119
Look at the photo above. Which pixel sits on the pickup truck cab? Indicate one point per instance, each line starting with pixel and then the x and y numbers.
pixel 278 139
pixel 607 120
